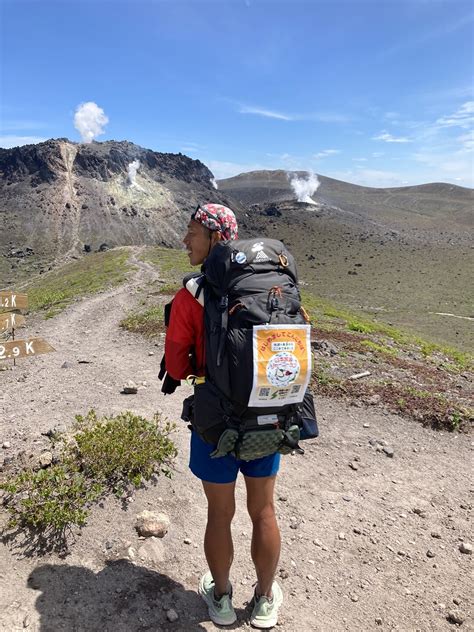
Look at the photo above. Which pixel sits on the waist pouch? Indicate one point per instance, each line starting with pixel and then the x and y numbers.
pixel 255 444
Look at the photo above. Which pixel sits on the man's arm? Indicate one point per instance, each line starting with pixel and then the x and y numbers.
pixel 181 336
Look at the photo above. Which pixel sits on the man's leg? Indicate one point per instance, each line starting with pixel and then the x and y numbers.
pixel 266 534
pixel 218 545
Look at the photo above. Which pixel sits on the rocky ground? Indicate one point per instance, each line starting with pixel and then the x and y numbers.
pixel 374 516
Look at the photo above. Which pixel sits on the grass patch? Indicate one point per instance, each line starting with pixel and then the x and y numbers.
pixel 174 264
pixel 55 290
pixel 378 348
pixel 103 456
pixel 150 322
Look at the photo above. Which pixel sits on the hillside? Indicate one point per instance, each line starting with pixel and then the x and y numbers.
pixel 58 198
pixel 404 255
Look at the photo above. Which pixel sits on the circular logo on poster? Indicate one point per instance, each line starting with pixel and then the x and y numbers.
pixel 282 369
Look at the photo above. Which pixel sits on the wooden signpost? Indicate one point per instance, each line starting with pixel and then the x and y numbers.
pixel 10 321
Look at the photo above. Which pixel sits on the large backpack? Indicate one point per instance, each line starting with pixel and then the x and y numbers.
pixel 254 399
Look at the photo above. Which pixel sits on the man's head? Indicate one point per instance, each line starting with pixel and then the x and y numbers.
pixel 209 224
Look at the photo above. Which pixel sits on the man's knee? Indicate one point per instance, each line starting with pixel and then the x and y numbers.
pixel 261 514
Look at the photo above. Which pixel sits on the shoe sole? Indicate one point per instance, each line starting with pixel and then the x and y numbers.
pixel 215 619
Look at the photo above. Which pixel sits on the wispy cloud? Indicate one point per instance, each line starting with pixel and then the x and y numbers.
pixel 9 141
pixel 389 138
pixel 326 152
pixel 247 109
pixel 467 141
pixel 321 117
pixel 463 117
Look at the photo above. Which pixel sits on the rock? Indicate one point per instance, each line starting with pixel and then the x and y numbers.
pixel 26 621
pixel 353 466
pixel 6 445
pixel 152 551
pixel 187 541
pixel 130 388
pixel 45 459
pixel 388 451
pixel 151 353
pixel 435 534
pixel 283 573
pixel 282 499
pixel 65 365
pixel 378 620
pixel 373 400
pixel 419 512
pixel 457 601
pixel 365 425
pixel 456 616
pixel 342 536
pixel 466 548
pixel 429 553
pixel 354 598
pixel 152 524
pixel 172 615
pixel 357 531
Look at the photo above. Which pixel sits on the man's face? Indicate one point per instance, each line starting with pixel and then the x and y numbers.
pixel 198 241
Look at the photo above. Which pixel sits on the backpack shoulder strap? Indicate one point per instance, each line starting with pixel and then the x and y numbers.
pixel 194 283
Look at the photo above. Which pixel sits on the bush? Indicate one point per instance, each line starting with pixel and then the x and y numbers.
pixel 104 455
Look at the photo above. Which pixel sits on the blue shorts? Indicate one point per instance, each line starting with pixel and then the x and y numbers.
pixel 224 469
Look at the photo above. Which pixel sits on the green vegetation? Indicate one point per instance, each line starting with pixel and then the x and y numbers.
pixel 330 318
pixel 57 289
pixel 103 456
pixel 378 348
pixel 173 264
pixel 150 322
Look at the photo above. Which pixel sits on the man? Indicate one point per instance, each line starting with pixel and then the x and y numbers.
pixel 209 224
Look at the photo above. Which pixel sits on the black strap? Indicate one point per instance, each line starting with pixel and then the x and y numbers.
pixel 223 308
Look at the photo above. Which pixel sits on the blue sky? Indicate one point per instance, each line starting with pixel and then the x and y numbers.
pixel 373 92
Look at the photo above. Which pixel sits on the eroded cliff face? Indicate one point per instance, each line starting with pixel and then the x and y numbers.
pixel 57 197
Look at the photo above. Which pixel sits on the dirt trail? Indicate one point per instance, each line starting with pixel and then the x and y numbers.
pixel 370 542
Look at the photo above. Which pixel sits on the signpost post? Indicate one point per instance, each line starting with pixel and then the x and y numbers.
pixel 10 321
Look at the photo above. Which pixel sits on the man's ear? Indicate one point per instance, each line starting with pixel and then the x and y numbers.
pixel 215 237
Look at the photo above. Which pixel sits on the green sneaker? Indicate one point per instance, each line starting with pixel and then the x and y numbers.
pixel 265 610
pixel 221 611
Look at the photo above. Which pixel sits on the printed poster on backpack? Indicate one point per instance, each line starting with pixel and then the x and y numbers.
pixel 281 364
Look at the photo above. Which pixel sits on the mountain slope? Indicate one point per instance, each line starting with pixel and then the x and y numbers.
pixel 58 196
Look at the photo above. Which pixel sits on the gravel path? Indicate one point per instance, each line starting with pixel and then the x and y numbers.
pixel 370 541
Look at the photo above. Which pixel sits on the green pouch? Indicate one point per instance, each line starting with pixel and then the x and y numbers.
pixel 226 443
pixel 259 443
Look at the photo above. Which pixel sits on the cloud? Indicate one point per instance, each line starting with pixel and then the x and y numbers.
pixel 246 109
pixel 90 120
pixel 463 117
pixel 467 141
pixel 359 159
pixel 321 117
pixel 389 138
pixel 326 152
pixel 378 154
pixel 10 141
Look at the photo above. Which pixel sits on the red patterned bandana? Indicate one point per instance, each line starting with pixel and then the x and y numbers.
pixel 217 217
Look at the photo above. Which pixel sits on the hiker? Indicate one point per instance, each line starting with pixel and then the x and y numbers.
pixel 185 356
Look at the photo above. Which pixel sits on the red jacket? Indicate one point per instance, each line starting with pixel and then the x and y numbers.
pixel 185 333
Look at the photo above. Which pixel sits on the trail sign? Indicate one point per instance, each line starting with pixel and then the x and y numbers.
pixel 13 300
pixel 24 348
pixel 9 321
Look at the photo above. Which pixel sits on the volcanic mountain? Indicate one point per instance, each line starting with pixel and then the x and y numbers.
pixel 60 197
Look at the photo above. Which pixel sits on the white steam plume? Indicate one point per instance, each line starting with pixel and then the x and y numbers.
pixel 214 183
pixel 132 173
pixel 90 120
pixel 305 188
